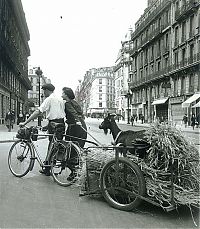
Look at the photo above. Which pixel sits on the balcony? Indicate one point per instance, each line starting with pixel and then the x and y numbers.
pixel 149 19
pixel 158 54
pixel 166 49
pixel 176 43
pixel 145 61
pixel 183 38
pixel 151 58
pixel 133 51
pixel 183 62
pixel 186 9
pixel 191 34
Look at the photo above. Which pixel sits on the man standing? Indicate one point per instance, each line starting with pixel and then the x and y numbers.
pixel 55 112
pixel 185 120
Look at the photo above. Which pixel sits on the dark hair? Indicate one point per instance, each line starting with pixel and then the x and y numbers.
pixel 69 92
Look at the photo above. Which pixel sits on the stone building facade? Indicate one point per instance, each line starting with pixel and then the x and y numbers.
pixel 97 92
pixel 121 72
pixel 14 52
pixel 165 60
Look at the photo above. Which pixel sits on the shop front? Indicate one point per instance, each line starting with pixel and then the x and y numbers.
pixel 176 110
pixel 161 109
pixel 189 105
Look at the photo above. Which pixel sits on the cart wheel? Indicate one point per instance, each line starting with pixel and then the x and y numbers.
pixel 119 182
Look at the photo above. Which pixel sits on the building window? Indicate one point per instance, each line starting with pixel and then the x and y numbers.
pixel 100 88
pixel 100 96
pixel 141 74
pixel 176 36
pixel 183 31
pixel 158 65
pixel 191 82
pixel 175 86
pixel 100 104
pixel 176 58
pixel 100 81
pixel 183 85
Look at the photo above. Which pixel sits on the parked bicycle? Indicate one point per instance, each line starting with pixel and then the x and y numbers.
pixel 23 153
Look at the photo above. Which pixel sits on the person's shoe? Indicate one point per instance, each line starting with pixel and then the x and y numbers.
pixel 45 172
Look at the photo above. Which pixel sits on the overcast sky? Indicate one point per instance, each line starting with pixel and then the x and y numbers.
pixel 69 37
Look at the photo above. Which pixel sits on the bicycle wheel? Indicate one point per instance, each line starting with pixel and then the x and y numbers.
pixel 119 182
pixel 60 162
pixel 19 158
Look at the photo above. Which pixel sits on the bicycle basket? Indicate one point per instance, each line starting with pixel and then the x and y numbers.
pixel 24 133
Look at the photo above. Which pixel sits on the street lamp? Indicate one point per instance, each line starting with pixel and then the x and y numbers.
pixel 39 74
pixel 128 95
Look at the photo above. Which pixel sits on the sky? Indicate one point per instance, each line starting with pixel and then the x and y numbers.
pixel 69 37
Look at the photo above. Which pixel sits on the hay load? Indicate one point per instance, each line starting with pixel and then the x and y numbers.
pixel 171 152
pixel 171 167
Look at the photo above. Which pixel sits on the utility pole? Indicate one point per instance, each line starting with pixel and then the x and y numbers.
pixel 39 74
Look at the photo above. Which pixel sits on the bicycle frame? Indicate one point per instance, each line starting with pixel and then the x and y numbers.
pixel 36 155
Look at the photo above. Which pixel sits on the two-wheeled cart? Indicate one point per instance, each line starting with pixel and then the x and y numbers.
pixel 123 180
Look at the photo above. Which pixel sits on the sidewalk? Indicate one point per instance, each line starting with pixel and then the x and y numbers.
pixel 6 136
pixel 179 127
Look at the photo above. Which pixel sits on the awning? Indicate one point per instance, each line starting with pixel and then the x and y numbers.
pixel 196 105
pixel 160 101
pixel 190 100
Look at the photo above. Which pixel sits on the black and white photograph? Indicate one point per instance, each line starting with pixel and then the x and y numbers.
pixel 100 114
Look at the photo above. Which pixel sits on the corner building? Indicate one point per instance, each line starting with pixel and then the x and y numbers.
pixel 14 52
pixel 164 75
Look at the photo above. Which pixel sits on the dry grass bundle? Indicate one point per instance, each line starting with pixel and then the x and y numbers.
pixel 170 151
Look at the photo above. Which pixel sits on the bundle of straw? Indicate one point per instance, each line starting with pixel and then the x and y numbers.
pixel 171 152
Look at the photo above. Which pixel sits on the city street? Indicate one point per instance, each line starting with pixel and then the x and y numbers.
pixel 36 201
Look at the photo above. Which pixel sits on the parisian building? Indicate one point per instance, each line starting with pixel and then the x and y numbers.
pixel 36 82
pixel 121 73
pixel 164 75
pixel 97 92
pixel 14 52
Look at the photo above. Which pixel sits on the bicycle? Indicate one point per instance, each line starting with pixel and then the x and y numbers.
pixel 23 153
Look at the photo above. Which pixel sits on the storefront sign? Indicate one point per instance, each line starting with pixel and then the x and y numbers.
pixel 177 100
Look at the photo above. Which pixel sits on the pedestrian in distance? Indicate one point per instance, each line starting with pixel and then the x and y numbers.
pixel 132 120
pixel 185 120
pixel 142 119
pixel 55 112
pixel 9 120
pixel 76 126
pixel 193 121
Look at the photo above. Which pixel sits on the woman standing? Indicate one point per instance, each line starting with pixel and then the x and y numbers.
pixel 76 125
pixel 193 121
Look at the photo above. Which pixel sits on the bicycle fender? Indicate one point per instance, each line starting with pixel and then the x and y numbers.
pixel 32 161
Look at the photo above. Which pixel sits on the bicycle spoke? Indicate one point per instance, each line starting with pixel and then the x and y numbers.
pixel 19 159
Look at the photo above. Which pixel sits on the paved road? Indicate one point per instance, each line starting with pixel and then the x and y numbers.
pixel 35 201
